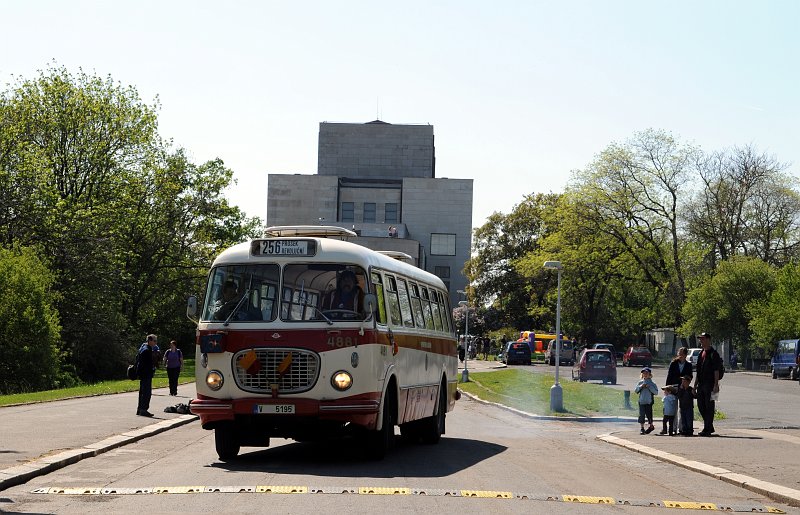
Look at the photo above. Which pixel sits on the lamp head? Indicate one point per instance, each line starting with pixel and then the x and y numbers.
pixel 552 265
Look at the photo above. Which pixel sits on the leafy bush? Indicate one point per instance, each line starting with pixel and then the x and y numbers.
pixel 29 332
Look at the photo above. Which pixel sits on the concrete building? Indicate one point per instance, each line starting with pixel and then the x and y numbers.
pixel 376 176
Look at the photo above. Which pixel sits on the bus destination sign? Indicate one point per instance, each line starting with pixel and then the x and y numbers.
pixel 284 247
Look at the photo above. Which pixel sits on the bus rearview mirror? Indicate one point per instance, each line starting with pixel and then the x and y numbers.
pixel 191 307
pixel 370 302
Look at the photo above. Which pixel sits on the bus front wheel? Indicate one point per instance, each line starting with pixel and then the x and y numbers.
pixel 226 439
pixel 380 441
pixel 434 426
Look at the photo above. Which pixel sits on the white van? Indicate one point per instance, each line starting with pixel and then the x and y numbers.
pixel 565 357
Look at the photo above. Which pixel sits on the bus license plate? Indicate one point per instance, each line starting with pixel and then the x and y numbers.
pixel 274 409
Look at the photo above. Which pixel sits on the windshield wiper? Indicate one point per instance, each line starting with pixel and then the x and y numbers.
pixel 235 309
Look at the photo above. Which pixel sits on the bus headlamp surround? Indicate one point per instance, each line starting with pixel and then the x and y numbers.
pixel 214 380
pixel 342 380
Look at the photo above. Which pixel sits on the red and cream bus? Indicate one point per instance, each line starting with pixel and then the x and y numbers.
pixel 278 357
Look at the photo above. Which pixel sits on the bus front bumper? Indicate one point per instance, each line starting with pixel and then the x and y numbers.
pixel 361 409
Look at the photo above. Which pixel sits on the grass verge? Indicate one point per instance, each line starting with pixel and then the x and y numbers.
pixel 530 392
pixel 160 380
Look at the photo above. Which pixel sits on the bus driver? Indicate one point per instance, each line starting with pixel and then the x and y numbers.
pixel 227 301
pixel 230 300
pixel 347 295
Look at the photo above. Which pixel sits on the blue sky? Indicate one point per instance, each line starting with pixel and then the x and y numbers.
pixel 520 94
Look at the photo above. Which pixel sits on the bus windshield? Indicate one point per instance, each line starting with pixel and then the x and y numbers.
pixel 323 292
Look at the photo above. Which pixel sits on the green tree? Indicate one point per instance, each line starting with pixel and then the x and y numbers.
pixel 29 332
pixel 776 318
pixel 128 225
pixel 723 304
pixel 604 296
pixel 747 206
pixel 492 272
pixel 632 193
pixel 78 141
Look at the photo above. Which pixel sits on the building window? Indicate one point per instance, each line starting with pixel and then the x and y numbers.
pixel 442 272
pixel 369 212
pixel 443 244
pixel 390 215
pixel 348 212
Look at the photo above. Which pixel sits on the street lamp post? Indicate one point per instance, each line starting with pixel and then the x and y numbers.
pixel 556 395
pixel 465 303
pixel 465 373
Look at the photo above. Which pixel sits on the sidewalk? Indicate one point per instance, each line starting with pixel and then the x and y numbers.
pixel 762 461
pixel 42 437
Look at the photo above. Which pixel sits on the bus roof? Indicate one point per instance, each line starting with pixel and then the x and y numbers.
pixel 330 251
pixel 324 231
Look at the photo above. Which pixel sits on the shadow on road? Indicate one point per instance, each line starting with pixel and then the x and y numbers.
pixel 338 458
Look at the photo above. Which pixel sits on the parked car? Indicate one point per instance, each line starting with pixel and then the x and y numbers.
pixel 596 364
pixel 517 352
pixel 565 356
pixel 784 361
pixel 610 346
pixel 637 356
pixel 693 355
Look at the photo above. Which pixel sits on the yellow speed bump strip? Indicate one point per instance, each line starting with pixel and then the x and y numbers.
pixel 383 490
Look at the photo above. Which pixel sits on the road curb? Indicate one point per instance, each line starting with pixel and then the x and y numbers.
pixel 24 472
pixel 775 492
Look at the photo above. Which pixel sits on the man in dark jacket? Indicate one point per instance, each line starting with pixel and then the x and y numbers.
pixel 706 382
pixel 148 357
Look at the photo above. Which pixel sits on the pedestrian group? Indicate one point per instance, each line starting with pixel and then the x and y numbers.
pixel 679 395
pixel 148 358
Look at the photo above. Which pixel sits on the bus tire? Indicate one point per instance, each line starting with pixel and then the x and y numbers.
pixel 433 427
pixel 380 441
pixel 226 439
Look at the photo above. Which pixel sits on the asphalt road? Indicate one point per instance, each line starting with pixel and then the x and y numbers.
pixel 486 450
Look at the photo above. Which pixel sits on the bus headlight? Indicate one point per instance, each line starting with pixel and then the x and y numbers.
pixel 342 380
pixel 214 380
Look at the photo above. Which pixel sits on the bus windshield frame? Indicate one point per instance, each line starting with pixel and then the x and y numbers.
pixel 297 292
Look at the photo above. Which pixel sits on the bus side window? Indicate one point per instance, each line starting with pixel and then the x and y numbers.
pixel 416 306
pixel 394 302
pixel 377 285
pixel 437 321
pixel 446 320
pixel 426 306
pixel 405 304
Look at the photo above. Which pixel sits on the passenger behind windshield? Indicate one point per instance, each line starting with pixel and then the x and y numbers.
pixel 347 295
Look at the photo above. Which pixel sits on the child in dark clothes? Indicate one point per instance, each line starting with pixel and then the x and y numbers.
pixel 685 396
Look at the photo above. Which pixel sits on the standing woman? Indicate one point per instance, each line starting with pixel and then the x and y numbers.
pixel 678 368
pixel 173 360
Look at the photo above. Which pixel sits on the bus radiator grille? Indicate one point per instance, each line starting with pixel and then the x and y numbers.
pixel 299 377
